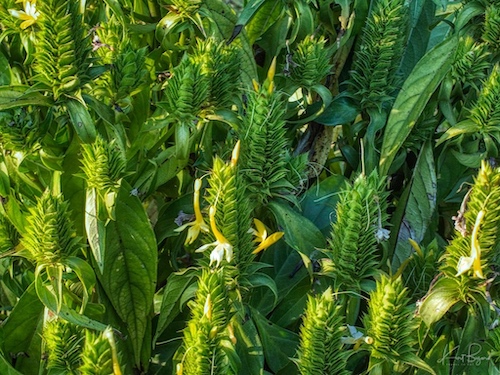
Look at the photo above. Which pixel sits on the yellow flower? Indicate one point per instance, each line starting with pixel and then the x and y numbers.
pixel 474 261
pixel 221 245
pixel 29 15
pixel 262 238
pixel 198 224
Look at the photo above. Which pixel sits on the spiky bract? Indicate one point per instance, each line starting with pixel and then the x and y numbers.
pixel 491 31
pixel 103 164
pixel 63 342
pixel 186 91
pixel 389 324
pixel 221 64
pixel 203 352
pixel 184 7
pixel 62 47
pixel 321 350
pixel 96 355
pixel 310 62
pixel 263 145
pixel 50 235
pixel 19 129
pixel 233 217
pixel 486 111
pixel 470 63
pixel 361 218
pixel 374 79
pixel 128 74
pixel 485 198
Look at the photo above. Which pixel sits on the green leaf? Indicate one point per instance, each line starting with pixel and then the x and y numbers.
pixel 279 344
pixel 171 301
pixel 130 265
pixel 85 274
pixel 81 120
pixel 419 207
pixel 249 348
pixel 49 299
pixel 435 356
pixel 20 96
pixel 258 279
pixel 263 18
pixel 289 272
pixel 5 71
pixel 6 368
pixel 249 11
pixel 224 20
pixel 342 110
pixel 95 228
pixel 19 328
pixel 422 18
pixel 292 307
pixel 472 354
pixel 300 233
pixel 442 297
pixel 413 97
pixel 413 360
pixel 463 127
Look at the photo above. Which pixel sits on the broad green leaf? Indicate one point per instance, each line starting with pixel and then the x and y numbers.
pixel 472 354
pixel 5 72
pixel 249 348
pixel 249 12
pixel 224 20
pixel 422 18
pixel 442 297
pixel 95 228
pixel 49 299
pixel 81 120
pixel 115 6
pixel 279 344
pixel 85 274
pixel 6 368
pixel 413 97
pixel 267 14
pixel 19 328
pixel 342 110
pixel 463 127
pixel 292 307
pixel 437 357
pixel 4 180
pixel 304 22
pixel 300 233
pixel 130 265
pixel 101 109
pixel 420 206
pixel 289 272
pixel 171 301
pixel 413 360
pixel 20 96
pixel 261 279
pixel 469 160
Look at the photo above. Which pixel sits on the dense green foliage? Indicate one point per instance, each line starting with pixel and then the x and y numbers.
pixel 249 187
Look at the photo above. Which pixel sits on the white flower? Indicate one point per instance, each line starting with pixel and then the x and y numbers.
pixel 29 15
pixel 222 247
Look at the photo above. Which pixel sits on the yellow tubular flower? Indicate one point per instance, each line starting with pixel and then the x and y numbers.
pixel 236 154
pixel 29 15
pixel 198 224
pixel 261 236
pixel 221 245
pixel 474 261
